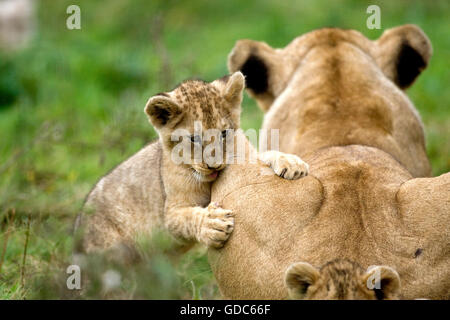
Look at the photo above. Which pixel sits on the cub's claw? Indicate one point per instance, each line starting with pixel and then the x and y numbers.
pixel 287 166
pixel 217 226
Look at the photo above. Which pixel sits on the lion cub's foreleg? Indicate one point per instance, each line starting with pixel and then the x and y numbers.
pixel 210 226
pixel 287 166
pixel 213 225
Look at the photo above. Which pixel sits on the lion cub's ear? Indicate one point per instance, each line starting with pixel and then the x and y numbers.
pixel 403 53
pixel 234 88
pixel 384 281
pixel 163 112
pixel 299 276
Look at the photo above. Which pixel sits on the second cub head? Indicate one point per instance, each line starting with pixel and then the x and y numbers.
pixel 342 279
pixel 198 115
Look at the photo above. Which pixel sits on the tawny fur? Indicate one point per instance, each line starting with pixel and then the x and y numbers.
pixel 150 190
pixel 341 279
pixel 338 102
pixel 335 87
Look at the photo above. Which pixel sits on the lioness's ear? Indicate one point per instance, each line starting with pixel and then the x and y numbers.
pixel 403 53
pixel 384 281
pixel 299 276
pixel 234 88
pixel 162 111
pixel 256 60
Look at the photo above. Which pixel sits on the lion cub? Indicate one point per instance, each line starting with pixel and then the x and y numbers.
pixel 154 189
pixel 341 279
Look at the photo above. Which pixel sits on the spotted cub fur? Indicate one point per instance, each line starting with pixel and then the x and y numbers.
pixel 151 190
pixel 341 279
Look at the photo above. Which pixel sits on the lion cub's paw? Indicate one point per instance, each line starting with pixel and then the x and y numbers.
pixel 217 226
pixel 287 166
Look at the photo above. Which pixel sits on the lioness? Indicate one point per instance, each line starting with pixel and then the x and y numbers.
pixel 335 87
pixel 151 189
pixel 339 103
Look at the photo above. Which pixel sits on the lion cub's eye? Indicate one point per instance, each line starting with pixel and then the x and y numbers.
pixel 224 134
pixel 195 139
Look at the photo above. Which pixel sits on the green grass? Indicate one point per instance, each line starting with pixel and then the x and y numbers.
pixel 71 108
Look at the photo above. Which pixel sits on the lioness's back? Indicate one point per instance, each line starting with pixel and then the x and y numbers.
pixel 346 208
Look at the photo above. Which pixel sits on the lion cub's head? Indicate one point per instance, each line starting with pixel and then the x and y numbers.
pixel 195 119
pixel 341 279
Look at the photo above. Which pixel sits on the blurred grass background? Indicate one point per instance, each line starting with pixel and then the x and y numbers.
pixel 71 108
